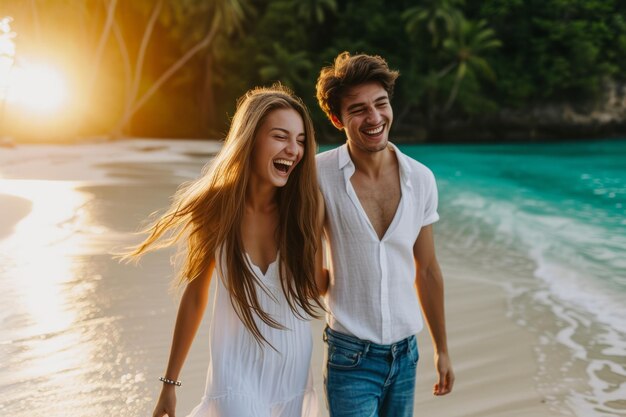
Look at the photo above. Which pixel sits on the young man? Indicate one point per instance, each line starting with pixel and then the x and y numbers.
pixel 380 205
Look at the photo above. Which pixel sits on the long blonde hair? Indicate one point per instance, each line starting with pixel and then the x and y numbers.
pixel 208 212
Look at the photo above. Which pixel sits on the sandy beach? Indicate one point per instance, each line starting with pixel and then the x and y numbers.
pixel 83 335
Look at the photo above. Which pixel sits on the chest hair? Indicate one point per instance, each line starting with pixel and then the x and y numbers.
pixel 379 198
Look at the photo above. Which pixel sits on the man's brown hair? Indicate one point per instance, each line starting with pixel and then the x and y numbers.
pixel 348 71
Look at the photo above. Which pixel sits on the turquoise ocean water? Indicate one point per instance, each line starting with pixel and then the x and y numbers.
pixel 84 335
pixel 548 223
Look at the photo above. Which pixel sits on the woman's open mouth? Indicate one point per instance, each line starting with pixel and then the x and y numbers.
pixel 282 165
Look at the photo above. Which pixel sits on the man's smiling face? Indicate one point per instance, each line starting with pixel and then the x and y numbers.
pixel 366 116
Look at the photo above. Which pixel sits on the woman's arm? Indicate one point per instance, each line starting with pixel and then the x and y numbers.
pixel 190 312
pixel 321 273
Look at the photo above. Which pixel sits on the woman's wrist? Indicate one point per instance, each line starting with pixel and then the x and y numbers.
pixel 170 382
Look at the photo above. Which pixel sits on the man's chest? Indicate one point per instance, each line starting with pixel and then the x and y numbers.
pixel 379 201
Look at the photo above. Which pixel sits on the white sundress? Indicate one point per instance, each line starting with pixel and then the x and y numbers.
pixel 246 379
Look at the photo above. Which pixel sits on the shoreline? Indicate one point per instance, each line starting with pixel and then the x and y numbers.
pixel 14 209
pixel 119 318
pixel 493 357
pixel 406 138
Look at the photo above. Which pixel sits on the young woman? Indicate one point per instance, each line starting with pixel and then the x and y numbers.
pixel 254 218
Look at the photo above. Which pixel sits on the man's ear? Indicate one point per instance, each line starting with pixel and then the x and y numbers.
pixel 336 122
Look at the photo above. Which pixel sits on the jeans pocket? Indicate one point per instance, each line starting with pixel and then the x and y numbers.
pixel 343 358
pixel 413 351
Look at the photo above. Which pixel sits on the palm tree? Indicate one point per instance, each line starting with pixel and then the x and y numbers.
pixel 132 82
pixel 314 11
pixel 104 36
pixel 291 68
pixel 240 11
pixel 467 48
pixel 223 16
pixel 439 17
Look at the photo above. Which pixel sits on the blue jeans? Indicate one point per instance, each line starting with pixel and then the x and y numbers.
pixel 363 379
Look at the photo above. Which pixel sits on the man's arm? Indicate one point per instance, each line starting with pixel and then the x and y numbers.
pixel 429 283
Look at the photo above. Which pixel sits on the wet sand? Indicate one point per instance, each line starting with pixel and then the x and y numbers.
pixel 14 209
pixel 83 335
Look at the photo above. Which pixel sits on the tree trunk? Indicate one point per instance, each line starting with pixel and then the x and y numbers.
pixel 141 55
pixel 453 94
pixel 104 36
pixel 171 71
pixel 119 37
pixel 207 97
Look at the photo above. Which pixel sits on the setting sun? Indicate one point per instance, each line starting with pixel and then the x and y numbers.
pixel 36 87
pixel 28 83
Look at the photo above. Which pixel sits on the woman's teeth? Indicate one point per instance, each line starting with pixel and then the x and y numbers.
pixel 283 165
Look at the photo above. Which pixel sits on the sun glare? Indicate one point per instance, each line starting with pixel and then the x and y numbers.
pixel 31 85
pixel 41 250
pixel 37 87
pixel 47 281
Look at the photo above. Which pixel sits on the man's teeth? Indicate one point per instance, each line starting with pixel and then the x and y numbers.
pixel 283 162
pixel 375 131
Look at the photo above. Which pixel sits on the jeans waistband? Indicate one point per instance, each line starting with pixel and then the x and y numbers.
pixel 355 343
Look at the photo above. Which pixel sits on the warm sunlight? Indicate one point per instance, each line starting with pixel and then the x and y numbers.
pixel 32 85
pixel 35 86
pixel 48 285
pixel 41 252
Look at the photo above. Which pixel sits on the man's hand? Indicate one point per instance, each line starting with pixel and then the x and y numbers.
pixel 446 375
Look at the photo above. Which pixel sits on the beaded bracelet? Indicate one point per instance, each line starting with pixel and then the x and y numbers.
pixel 170 381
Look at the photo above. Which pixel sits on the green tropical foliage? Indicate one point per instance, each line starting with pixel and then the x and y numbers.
pixel 175 67
pixel 315 11
pixel 440 18
pixel 290 68
pixel 466 47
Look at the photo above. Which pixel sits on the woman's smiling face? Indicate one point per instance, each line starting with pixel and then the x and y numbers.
pixel 279 146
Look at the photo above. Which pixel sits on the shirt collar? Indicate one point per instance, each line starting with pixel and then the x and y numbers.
pixel 344 161
pixel 344 157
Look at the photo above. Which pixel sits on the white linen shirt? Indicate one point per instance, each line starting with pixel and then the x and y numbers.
pixel 372 292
